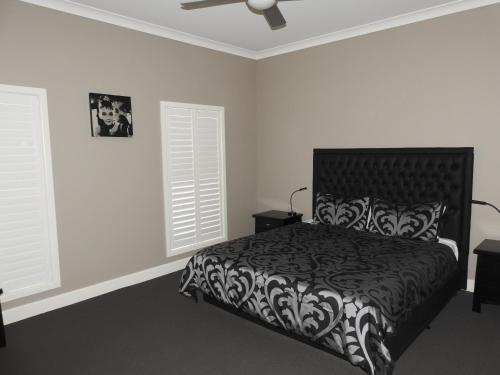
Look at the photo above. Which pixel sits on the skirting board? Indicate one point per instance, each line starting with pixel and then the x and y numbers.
pixel 18 313
pixel 470 285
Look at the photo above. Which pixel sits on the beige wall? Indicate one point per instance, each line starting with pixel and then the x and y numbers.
pixel 434 83
pixel 108 192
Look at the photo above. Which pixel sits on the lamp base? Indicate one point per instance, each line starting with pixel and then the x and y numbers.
pixel 291 213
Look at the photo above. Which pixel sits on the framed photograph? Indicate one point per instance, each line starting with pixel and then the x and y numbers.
pixel 110 115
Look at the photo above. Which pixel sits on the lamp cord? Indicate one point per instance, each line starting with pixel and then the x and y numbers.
pixel 492 206
pixel 483 203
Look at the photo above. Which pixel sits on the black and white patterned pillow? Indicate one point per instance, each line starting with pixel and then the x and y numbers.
pixel 345 212
pixel 418 221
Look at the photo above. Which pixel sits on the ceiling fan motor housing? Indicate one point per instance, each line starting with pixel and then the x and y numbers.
pixel 261 4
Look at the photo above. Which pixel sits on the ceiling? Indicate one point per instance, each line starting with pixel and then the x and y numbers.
pixel 235 29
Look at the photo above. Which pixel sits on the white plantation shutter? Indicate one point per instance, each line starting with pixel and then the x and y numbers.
pixel 29 260
pixel 194 176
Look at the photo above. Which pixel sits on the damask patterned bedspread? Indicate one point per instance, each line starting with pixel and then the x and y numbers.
pixel 346 290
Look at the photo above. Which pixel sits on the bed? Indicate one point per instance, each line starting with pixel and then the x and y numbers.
pixel 359 295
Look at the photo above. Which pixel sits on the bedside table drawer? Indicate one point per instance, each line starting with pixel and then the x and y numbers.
pixel 263 224
pixel 489 268
pixel 274 219
pixel 490 293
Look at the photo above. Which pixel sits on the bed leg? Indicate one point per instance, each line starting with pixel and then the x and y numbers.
pixel 200 297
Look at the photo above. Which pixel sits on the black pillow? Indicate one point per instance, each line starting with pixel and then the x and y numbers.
pixel 418 221
pixel 345 212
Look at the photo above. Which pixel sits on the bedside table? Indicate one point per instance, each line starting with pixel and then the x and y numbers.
pixel 487 284
pixel 274 219
pixel 2 328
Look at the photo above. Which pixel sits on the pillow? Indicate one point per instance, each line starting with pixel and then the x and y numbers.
pixel 344 212
pixel 418 221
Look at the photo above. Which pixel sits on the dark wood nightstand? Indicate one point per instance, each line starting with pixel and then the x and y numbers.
pixel 487 284
pixel 2 328
pixel 274 219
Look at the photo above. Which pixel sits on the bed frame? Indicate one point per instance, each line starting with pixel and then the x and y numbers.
pixel 406 175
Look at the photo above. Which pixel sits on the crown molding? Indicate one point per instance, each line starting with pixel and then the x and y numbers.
pixel 96 14
pixel 388 23
pixel 86 11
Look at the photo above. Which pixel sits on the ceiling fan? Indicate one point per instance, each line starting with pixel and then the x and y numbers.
pixel 269 8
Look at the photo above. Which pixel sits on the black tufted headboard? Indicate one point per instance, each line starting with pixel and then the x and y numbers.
pixel 405 175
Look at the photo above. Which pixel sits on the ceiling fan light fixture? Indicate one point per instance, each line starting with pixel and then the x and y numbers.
pixel 261 4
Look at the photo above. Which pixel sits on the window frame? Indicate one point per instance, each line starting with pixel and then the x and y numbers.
pixel 46 155
pixel 166 196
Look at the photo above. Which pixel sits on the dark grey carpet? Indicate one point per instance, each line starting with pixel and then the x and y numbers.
pixel 150 329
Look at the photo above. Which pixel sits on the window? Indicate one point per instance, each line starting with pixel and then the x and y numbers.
pixel 29 261
pixel 193 176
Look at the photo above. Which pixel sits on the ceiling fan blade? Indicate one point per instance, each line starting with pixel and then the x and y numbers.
pixel 274 17
pixel 208 3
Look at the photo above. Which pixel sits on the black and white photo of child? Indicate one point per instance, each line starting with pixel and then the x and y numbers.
pixel 110 115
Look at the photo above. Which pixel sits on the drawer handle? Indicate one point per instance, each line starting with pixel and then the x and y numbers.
pixel 268 225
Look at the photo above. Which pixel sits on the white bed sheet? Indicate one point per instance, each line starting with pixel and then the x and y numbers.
pixel 450 243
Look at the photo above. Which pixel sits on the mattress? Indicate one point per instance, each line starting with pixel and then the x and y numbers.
pixel 343 289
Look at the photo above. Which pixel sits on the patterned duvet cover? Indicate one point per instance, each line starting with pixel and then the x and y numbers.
pixel 344 289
